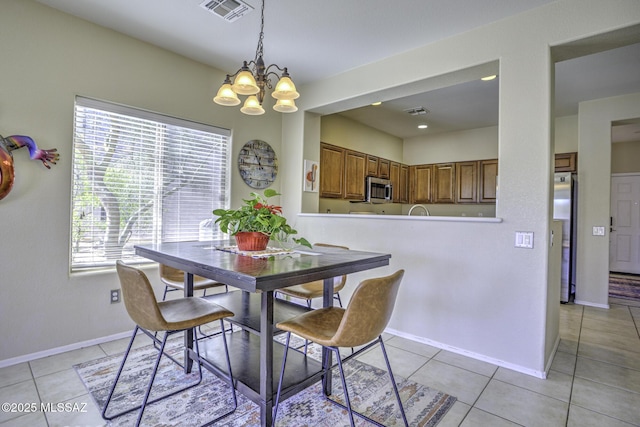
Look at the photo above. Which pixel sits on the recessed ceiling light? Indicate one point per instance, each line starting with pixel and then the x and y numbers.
pixel 423 126
pixel 376 103
pixel 486 79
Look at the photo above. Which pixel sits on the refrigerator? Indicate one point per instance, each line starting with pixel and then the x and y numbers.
pixel 565 210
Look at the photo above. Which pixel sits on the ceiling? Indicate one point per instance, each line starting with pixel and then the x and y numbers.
pixel 303 35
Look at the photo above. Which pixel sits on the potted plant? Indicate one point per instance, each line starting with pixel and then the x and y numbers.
pixel 256 222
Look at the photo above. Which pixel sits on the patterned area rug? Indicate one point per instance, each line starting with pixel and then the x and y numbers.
pixel 369 388
pixel 625 286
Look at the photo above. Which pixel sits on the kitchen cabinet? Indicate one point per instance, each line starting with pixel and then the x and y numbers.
pixel 404 184
pixel 394 176
pixel 421 183
pixel 383 168
pixel 566 162
pixel 354 175
pixel 331 171
pixel 466 182
pixel 444 188
pixel 372 166
pixel 488 181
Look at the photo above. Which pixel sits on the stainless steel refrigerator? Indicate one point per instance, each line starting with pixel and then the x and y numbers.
pixel 565 210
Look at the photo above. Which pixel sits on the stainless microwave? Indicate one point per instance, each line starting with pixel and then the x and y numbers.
pixel 378 190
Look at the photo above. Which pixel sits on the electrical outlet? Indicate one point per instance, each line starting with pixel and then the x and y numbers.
pixel 115 296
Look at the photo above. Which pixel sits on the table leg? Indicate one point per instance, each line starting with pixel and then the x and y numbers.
pixel 327 301
pixel 188 334
pixel 266 358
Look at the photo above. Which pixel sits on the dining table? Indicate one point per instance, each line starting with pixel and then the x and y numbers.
pixel 255 354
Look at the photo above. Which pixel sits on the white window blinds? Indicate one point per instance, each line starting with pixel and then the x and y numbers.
pixel 141 177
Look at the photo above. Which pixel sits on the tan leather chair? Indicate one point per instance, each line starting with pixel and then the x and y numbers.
pixel 311 290
pixel 173 280
pixel 169 317
pixel 361 323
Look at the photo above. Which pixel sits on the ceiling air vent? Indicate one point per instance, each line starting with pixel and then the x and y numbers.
pixel 418 111
pixel 229 10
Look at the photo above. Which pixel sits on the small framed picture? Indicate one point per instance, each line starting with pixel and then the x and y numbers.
pixel 311 176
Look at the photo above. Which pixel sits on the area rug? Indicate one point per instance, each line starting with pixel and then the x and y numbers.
pixel 369 388
pixel 625 286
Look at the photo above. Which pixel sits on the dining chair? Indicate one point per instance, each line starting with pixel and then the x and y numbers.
pixel 360 324
pixel 173 280
pixel 311 290
pixel 170 317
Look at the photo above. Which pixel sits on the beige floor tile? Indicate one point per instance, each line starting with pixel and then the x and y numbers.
pixel 614 312
pixel 403 363
pixel 60 362
pixel 412 346
pixel 15 374
pixel 617 327
pixel 119 346
pixel 80 411
pixel 522 406
pixel 606 373
pixel 564 362
pixel 60 386
pixel 556 385
pixel 616 356
pixel 24 393
pixel 606 400
pixel 478 418
pixel 458 382
pixel 617 341
pixel 473 365
pixel 580 417
pixel 33 419
pixel 568 345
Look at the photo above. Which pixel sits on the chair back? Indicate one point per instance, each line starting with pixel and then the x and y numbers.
pixel 336 286
pixel 369 311
pixel 171 274
pixel 139 299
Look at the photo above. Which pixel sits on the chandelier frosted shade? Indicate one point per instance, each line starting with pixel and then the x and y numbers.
pixel 285 89
pixel 245 84
pixel 252 106
pixel 285 106
pixel 226 96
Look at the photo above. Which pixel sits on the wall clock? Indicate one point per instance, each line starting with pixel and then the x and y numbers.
pixel 257 164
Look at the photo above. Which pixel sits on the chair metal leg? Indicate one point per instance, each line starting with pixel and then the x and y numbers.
pixel 393 381
pixel 284 363
pixel 336 350
pixel 145 401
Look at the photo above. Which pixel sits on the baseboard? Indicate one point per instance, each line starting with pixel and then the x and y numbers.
pixel 553 356
pixel 591 304
pixel 477 356
pixel 57 350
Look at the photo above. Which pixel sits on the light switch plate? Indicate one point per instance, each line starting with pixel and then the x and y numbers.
pixel 524 239
pixel 598 231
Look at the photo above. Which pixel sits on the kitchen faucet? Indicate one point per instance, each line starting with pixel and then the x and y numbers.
pixel 426 211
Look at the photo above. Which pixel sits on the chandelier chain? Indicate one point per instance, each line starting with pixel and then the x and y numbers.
pixel 260 48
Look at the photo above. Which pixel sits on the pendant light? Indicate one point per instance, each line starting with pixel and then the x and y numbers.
pixel 253 78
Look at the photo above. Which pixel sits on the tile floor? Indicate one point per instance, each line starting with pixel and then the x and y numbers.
pixel 594 379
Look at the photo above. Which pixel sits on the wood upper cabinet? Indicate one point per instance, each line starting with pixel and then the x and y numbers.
pixel 488 181
pixel 394 176
pixel 467 182
pixel 566 162
pixel 444 188
pixel 404 184
pixel 421 187
pixel 383 168
pixel 354 167
pixel 331 171
pixel 372 166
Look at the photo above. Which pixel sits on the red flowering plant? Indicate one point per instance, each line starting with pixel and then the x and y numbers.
pixel 258 216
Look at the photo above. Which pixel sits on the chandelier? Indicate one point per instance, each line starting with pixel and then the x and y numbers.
pixel 253 79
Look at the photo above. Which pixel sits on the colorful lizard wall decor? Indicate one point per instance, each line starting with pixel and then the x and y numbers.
pixel 13 142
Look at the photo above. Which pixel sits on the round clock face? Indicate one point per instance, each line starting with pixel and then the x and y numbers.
pixel 257 164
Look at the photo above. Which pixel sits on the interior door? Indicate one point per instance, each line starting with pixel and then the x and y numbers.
pixel 624 250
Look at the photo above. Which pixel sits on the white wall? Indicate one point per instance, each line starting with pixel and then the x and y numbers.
pixel 47 59
pixel 466 286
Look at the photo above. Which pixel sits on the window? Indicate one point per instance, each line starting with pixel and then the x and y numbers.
pixel 141 177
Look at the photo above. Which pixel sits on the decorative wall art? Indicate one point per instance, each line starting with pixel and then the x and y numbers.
pixel 14 142
pixel 311 176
